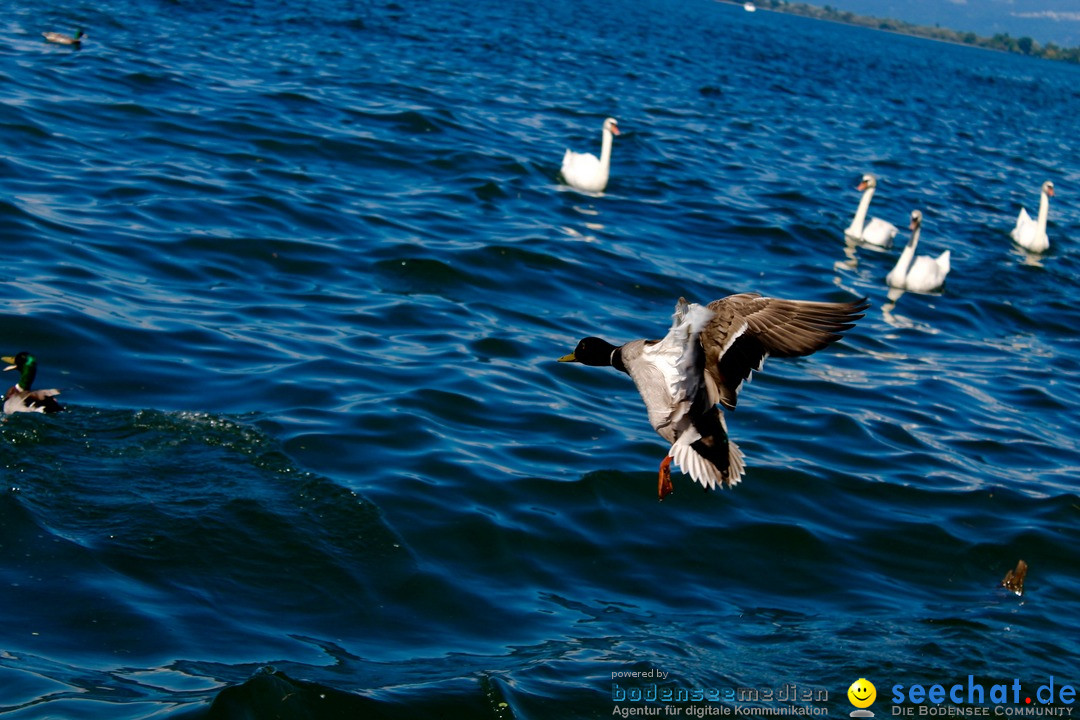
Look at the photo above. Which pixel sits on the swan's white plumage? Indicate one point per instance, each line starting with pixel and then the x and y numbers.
pixel 877 232
pixel 1031 234
pixel 587 172
pixel 922 273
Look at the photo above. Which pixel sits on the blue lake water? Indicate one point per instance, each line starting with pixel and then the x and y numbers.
pixel 302 271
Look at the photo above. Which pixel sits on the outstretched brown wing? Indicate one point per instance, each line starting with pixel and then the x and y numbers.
pixel 747 328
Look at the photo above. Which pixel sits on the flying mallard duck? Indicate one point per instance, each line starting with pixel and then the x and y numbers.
pixel 62 39
pixel 703 360
pixel 21 398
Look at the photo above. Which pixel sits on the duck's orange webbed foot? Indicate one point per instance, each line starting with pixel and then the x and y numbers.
pixel 665 486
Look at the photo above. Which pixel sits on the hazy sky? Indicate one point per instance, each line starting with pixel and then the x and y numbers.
pixel 1056 21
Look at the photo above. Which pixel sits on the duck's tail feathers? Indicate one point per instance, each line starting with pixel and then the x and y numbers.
pixel 42 401
pixel 691 459
pixel 736 464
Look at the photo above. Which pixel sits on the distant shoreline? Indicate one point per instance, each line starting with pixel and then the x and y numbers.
pixel 1001 41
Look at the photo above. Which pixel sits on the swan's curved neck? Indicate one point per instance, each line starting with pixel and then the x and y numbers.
pixel 1044 211
pixel 859 220
pixel 904 263
pixel 605 151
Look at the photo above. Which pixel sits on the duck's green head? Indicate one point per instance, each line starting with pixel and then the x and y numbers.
pixel 26 364
pixel 79 34
pixel 592 351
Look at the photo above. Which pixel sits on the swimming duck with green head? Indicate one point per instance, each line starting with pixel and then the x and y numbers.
pixel 21 397
pixel 62 39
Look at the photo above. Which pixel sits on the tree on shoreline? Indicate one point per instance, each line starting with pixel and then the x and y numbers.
pixel 1000 41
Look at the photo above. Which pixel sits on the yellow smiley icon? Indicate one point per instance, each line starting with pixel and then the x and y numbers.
pixel 862 693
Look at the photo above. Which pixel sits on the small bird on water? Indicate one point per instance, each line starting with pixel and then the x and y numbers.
pixel 703 360
pixel 21 397
pixel 62 39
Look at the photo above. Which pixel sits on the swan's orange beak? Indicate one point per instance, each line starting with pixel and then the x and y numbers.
pixel 861 186
pixel 1050 191
pixel 615 131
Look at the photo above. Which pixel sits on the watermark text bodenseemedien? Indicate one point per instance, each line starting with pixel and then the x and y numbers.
pixel 652 692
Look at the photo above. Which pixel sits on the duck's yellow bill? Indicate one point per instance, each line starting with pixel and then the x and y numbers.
pixel 10 362
pixel 564 358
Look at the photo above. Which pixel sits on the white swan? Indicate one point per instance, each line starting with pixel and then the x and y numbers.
pixel 583 171
pixel 923 275
pixel 876 232
pixel 1031 234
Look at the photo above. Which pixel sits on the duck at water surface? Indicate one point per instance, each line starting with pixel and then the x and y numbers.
pixel 21 397
pixel 1031 234
pixel 877 232
pixel 584 171
pixel 703 360
pixel 62 39
pixel 924 273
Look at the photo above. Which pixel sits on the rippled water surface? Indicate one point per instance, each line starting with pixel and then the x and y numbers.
pixel 302 271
